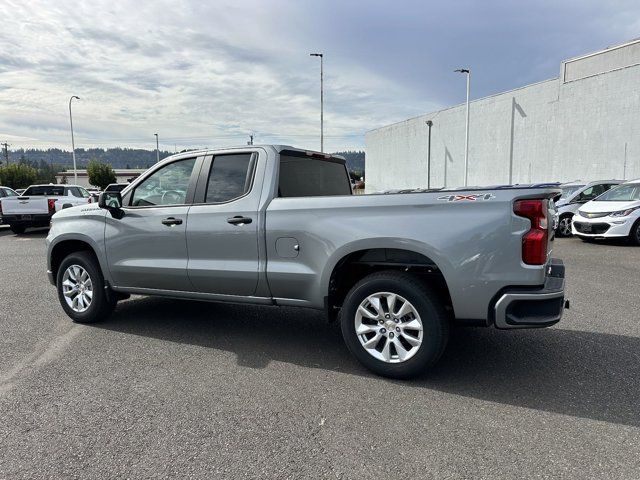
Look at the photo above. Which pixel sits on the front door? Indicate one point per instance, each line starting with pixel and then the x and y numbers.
pixel 223 226
pixel 147 248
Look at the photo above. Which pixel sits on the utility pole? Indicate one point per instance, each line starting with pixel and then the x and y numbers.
pixel 321 55
pixel 429 124
pixel 157 149
pixel 6 152
pixel 466 136
pixel 73 145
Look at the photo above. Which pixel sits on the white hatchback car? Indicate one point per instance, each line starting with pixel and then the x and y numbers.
pixel 614 214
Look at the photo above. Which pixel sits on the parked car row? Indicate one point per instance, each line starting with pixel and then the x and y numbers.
pixel 38 203
pixel 600 209
pixel 614 214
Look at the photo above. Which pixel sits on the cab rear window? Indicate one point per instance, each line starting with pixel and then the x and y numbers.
pixel 44 190
pixel 311 177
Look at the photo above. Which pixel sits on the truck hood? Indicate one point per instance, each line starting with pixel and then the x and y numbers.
pixel 80 211
pixel 601 207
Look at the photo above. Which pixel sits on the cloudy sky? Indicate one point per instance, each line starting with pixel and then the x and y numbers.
pixel 206 73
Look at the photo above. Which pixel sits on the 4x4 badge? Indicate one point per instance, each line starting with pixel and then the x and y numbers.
pixel 467 198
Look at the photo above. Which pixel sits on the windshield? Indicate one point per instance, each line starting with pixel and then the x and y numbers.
pixel 622 193
pixel 568 191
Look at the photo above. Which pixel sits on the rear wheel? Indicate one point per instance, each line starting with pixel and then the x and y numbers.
pixel 17 229
pixel 564 226
pixel 81 289
pixel 394 324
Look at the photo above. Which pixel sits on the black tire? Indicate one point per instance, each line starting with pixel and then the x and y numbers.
pixel 429 307
pixel 634 234
pixel 566 218
pixel 102 304
pixel 17 229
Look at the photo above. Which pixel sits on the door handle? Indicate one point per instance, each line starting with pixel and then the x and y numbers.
pixel 239 220
pixel 171 221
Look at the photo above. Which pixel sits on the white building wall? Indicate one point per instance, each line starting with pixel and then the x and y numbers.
pixel 553 131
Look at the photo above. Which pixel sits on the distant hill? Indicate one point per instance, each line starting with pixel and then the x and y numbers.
pixel 116 157
pixel 355 160
pixel 127 157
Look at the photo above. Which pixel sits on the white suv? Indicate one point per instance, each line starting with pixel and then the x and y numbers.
pixel 614 214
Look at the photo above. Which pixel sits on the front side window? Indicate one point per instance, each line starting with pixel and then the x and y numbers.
pixel 230 177
pixel 590 193
pixel 167 186
pixel 307 177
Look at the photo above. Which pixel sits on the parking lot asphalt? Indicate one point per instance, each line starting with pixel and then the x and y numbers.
pixel 170 388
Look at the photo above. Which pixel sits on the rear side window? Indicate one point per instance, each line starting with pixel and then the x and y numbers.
pixel 75 191
pixel 310 177
pixel 44 190
pixel 230 177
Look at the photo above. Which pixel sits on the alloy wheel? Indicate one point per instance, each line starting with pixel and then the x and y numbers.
pixel 565 226
pixel 77 288
pixel 388 327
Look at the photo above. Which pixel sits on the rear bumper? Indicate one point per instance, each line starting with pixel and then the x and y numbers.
pixel 37 220
pixel 533 308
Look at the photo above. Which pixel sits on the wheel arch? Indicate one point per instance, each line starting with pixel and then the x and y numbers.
pixel 65 246
pixel 349 265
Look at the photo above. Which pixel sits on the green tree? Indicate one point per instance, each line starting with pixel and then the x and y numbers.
pixel 100 174
pixel 17 175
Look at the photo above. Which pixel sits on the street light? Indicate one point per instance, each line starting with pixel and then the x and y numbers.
pixel 157 149
pixel 321 98
pixel 73 145
pixel 466 137
pixel 429 124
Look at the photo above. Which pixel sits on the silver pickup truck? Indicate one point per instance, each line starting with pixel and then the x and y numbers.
pixel 275 225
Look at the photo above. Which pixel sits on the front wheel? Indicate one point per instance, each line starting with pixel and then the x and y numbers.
pixel 564 226
pixel 394 324
pixel 634 235
pixel 81 289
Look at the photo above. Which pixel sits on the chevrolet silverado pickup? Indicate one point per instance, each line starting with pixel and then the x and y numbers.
pixel 276 225
pixel 38 203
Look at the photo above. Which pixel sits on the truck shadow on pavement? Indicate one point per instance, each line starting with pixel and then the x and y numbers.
pixel 583 374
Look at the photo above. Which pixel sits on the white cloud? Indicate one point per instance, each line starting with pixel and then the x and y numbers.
pixel 197 73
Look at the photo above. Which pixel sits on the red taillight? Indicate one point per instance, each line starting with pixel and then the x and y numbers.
pixel 534 242
pixel 52 204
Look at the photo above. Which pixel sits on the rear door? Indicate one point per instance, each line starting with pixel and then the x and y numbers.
pixel 147 248
pixel 223 225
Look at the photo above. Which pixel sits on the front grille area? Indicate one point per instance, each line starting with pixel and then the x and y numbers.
pixel 591 228
pixel 593 215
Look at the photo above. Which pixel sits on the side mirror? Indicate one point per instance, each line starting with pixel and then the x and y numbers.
pixel 111 201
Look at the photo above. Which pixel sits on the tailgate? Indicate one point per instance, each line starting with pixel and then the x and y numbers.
pixel 25 205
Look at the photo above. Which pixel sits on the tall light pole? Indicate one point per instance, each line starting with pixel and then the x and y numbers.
pixel 429 124
pixel 321 98
pixel 466 136
pixel 73 144
pixel 157 149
